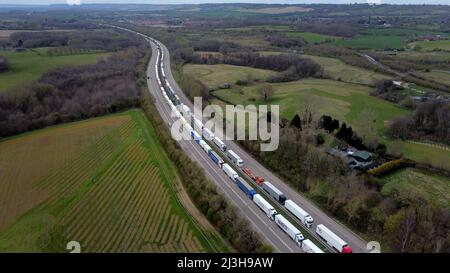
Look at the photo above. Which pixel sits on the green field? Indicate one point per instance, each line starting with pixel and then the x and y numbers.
pixel 216 75
pixel 338 70
pixel 344 101
pixel 437 75
pixel 411 183
pixel 381 38
pixel 277 10
pixel 106 183
pixel 372 42
pixel 431 45
pixel 31 65
pixel 340 99
pixel 423 153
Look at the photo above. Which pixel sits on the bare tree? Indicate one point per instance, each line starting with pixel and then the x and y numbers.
pixel 266 91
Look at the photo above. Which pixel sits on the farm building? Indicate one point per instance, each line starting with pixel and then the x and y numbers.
pixel 362 156
pixel 401 84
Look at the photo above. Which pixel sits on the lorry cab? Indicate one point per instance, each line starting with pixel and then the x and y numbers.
pixel 273 212
pixel 240 163
pixel 346 249
pixel 299 239
pixel 309 221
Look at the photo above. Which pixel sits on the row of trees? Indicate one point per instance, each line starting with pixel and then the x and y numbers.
pixel 74 93
pixel 430 121
pixel 292 67
pixel 406 223
pixel 284 41
pixel 216 46
pixel 108 41
pixel 4 64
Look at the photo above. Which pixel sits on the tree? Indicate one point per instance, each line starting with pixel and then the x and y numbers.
pixel 383 86
pixel 266 91
pixel 342 133
pixel 296 122
pixel 4 64
pixel 366 129
pixel 325 123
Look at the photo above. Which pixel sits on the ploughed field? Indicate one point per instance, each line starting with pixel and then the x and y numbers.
pixel 105 183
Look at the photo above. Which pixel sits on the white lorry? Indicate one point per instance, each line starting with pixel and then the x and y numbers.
pixel 298 212
pixel 290 229
pixel 205 146
pixel 232 174
pixel 309 247
pixel 207 134
pixel 219 143
pixel 332 239
pixel 235 158
pixel 264 206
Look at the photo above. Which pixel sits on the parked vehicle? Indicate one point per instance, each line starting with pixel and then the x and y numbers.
pixel 208 134
pixel 309 247
pixel 235 158
pixel 196 136
pixel 232 174
pixel 298 212
pixel 332 239
pixel 205 146
pixel 219 143
pixel 249 173
pixel 245 187
pixel 274 192
pixel 290 229
pixel 185 111
pixel 197 124
pixel 188 129
pixel 264 206
pixel 215 158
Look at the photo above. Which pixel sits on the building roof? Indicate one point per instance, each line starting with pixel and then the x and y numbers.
pixel 362 154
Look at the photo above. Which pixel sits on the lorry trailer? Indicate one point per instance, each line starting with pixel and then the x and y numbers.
pixel 196 136
pixel 215 158
pixel 298 212
pixel 274 192
pixel 290 229
pixel 208 134
pixel 309 247
pixel 205 146
pixel 245 187
pixel 232 174
pixel 332 239
pixel 219 143
pixel 265 206
pixel 235 158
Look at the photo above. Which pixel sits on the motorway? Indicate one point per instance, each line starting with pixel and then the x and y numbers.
pixel 355 242
pixel 259 221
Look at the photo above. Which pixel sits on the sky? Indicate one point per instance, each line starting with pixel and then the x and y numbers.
pixel 16 2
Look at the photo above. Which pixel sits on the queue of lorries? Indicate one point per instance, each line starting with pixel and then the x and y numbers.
pixel 202 135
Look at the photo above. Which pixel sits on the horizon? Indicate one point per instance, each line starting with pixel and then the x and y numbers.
pixel 197 2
